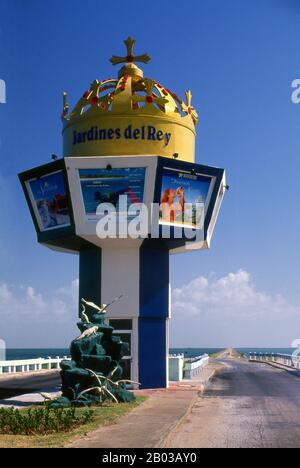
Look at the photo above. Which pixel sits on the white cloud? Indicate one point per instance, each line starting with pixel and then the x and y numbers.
pixel 206 312
pixel 233 295
pixel 70 291
pixel 25 302
pixel 231 311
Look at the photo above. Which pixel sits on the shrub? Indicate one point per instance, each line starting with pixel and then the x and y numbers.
pixel 43 420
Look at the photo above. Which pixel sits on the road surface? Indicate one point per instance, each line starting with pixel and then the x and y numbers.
pixel 17 384
pixel 246 405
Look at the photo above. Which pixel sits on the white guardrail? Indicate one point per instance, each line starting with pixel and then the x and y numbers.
pixel 185 368
pixel 30 365
pixel 176 365
pixel 283 359
pixel 194 366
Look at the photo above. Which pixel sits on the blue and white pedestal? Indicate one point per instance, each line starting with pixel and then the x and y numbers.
pixel 140 272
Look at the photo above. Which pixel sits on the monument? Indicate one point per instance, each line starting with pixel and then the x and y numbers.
pixel 94 373
pixel 125 195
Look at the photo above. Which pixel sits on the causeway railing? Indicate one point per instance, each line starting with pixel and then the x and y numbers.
pixel 176 364
pixel 30 365
pixel 193 366
pixel 287 360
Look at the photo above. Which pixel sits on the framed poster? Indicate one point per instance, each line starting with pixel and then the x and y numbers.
pixel 184 197
pixel 100 185
pixel 49 200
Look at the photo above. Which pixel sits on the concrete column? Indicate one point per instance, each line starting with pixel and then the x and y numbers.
pixel 49 363
pixel 154 304
pixel 90 267
pixel 139 271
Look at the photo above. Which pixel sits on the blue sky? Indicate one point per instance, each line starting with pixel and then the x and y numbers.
pixel 239 58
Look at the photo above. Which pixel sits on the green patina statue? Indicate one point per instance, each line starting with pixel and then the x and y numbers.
pixel 94 373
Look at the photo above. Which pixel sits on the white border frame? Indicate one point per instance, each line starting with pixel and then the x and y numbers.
pixel 217 207
pixel 84 227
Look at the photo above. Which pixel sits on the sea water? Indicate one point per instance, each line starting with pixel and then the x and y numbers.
pixel 34 353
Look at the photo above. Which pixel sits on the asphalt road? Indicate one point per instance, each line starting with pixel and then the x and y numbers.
pixel 247 405
pixel 17 384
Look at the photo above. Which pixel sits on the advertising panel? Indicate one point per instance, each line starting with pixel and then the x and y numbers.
pixel 106 186
pixel 49 201
pixel 183 198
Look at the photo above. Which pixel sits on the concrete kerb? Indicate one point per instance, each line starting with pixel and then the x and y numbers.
pixel 214 371
pixel 165 437
pixel 276 365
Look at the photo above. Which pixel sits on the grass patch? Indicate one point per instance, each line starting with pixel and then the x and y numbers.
pixel 216 355
pixel 233 353
pixel 236 354
pixel 107 414
pixel 43 420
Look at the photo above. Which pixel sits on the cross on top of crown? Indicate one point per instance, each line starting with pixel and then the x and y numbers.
pixel 130 58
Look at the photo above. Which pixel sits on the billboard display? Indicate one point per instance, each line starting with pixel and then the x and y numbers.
pixel 49 201
pixel 183 198
pixel 106 186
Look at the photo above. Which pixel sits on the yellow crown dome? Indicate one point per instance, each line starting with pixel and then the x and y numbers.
pixel 131 115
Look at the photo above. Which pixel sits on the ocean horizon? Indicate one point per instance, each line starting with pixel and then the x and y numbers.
pixel 33 353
